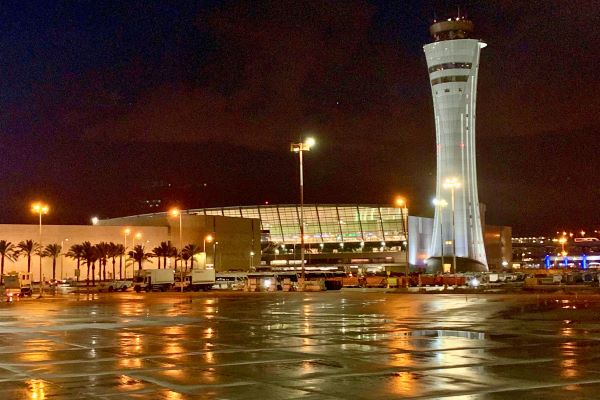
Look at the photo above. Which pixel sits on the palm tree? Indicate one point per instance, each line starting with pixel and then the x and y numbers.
pixel 89 256
pixel 164 250
pixel 119 252
pixel 158 253
pixel 191 250
pixel 28 247
pixel 102 256
pixel 53 250
pixel 112 254
pixel 9 251
pixel 139 255
pixel 76 252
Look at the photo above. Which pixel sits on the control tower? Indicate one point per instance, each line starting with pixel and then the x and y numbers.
pixel 453 61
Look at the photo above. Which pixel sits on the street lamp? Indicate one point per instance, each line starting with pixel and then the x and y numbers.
pixel 401 202
pixel 177 213
pixel 441 203
pixel 300 148
pixel 40 208
pixel 209 239
pixel 452 184
pixel 62 256
pixel 251 260
pixel 126 233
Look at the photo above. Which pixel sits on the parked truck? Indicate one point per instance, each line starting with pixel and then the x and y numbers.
pixel 197 279
pixel 154 280
pixel 18 284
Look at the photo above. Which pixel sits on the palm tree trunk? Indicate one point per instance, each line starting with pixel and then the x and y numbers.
pixel 165 261
pixel 114 276
pixel 78 270
pixel 2 271
pixel 28 263
pixel 87 278
pixel 53 268
pixel 94 273
pixel 121 267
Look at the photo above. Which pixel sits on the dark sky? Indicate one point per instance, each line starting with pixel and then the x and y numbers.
pixel 104 104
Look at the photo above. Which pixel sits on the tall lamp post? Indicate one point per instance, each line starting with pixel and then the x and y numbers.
pixel 209 239
pixel 126 233
pixel 177 213
pixel 452 184
pixel 300 148
pixel 401 202
pixel 441 204
pixel 40 209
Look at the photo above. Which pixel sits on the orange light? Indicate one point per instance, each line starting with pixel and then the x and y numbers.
pixel 208 238
pixel 175 212
pixel 400 202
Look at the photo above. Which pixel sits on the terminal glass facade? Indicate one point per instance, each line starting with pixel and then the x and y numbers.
pixel 322 223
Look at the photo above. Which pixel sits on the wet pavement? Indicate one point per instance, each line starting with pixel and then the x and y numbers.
pixel 334 345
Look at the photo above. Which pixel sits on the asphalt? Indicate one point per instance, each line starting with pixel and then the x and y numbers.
pixel 352 344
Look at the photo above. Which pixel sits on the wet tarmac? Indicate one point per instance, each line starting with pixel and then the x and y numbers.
pixel 333 345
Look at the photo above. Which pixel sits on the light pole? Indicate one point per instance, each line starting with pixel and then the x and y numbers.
pixel 401 202
pixel 62 256
pixel 40 208
pixel 441 204
pixel 251 260
pixel 452 184
pixel 300 148
pixel 126 233
pixel 209 239
pixel 177 213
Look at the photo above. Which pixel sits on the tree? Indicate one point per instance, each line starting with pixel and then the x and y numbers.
pixel 28 247
pixel 53 250
pixel 191 250
pixel 76 252
pixel 164 250
pixel 113 253
pixel 120 252
pixel 139 255
pixel 102 257
pixel 89 257
pixel 8 251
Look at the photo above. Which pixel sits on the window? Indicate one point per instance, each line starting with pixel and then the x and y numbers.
pixel 444 66
pixel 446 79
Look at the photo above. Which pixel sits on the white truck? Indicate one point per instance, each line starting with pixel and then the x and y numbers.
pixel 198 279
pixel 18 284
pixel 154 280
pixel 114 286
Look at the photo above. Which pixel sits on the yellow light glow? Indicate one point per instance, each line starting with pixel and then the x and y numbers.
pixel 400 201
pixel 40 208
pixel 127 231
pixel 208 238
pixel 310 141
pixel 175 212
pixel 138 235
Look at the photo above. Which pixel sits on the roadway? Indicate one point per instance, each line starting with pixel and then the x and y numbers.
pixel 352 344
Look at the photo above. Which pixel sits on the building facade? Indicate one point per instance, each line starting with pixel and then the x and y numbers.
pixel 453 63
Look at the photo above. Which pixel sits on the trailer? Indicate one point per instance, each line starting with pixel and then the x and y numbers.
pixel 154 280
pixel 199 279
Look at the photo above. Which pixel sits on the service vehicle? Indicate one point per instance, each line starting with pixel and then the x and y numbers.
pixel 18 284
pixel 198 278
pixel 154 280
pixel 114 286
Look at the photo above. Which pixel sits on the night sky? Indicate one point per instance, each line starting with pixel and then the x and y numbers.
pixel 105 104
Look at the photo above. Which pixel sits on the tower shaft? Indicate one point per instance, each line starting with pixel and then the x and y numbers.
pixel 453 63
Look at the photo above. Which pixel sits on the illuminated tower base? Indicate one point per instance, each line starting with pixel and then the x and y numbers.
pixel 453 63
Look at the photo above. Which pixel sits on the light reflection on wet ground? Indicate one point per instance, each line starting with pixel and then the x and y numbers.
pixel 333 345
